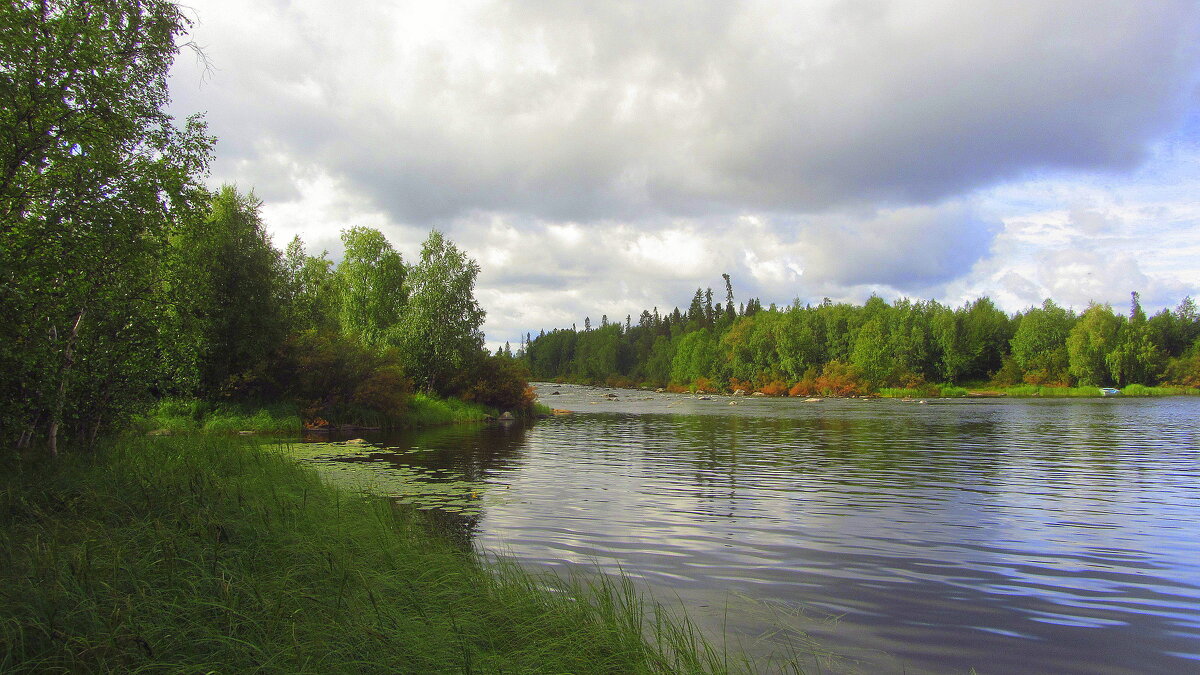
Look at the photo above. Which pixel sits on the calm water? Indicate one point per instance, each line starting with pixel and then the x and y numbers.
pixel 1012 536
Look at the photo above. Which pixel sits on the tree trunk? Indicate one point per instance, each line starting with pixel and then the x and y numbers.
pixel 68 361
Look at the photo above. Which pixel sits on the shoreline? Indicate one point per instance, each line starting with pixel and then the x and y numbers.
pixel 218 553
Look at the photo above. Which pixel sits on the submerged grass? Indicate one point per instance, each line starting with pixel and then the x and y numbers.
pixel 203 554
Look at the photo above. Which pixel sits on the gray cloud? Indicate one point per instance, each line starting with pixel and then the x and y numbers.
pixel 564 110
pixel 602 158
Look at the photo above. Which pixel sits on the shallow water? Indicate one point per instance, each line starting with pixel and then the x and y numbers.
pixel 1011 536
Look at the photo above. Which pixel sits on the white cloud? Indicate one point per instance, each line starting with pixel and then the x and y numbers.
pixel 605 158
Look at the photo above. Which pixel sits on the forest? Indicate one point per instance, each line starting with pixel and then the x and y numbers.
pixel 125 281
pixel 842 349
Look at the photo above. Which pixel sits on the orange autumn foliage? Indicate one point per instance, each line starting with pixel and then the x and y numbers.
pixel 775 388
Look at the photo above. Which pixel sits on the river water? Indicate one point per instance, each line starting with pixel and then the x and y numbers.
pixel 1009 536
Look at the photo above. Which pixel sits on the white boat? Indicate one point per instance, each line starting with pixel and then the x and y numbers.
pixel 1109 391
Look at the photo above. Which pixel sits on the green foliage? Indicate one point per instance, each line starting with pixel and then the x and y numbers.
pixel 214 555
pixel 875 346
pixel 123 279
pixel 1185 370
pixel 1039 343
pixel 902 392
pixel 497 382
pixel 426 410
pixel 334 377
pixel 229 283
pixel 1135 357
pixel 93 177
pixel 440 329
pixel 1090 341
pixel 311 300
pixel 1142 390
pixel 191 415
pixel 1041 391
pixel 871 356
pixel 370 285
pixel 695 356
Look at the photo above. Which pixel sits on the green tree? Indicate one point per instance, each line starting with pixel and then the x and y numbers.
pixel 370 285
pixel 799 342
pixel 1135 358
pixel 1090 341
pixel 310 289
pixel 695 354
pixel 93 175
pixel 232 278
pixel 441 325
pixel 1039 345
pixel 871 356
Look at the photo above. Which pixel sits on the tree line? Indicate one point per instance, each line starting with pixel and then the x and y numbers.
pixel 123 278
pixel 844 349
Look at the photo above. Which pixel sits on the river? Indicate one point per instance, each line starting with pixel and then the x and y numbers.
pixel 1009 536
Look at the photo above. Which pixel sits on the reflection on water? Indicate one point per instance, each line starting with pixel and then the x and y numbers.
pixel 1009 536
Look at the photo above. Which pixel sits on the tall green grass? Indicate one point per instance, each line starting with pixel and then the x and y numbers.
pixel 1040 391
pixel 1030 390
pixel 902 392
pixel 430 411
pixel 927 391
pixel 183 415
pixel 1142 390
pixel 209 554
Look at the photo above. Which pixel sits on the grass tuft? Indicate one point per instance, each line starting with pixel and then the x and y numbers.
pixel 430 411
pixel 206 553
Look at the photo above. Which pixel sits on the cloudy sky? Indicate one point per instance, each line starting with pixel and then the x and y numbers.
pixel 605 157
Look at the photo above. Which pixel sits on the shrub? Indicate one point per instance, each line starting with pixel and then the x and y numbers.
pixel 840 379
pixel 775 388
pixel 497 382
pixel 735 384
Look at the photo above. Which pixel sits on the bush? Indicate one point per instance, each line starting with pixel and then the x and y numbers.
pixel 735 384
pixel 775 388
pixel 840 379
pixel 333 376
pixel 499 382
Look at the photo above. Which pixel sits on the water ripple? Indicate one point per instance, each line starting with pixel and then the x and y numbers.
pixel 1008 536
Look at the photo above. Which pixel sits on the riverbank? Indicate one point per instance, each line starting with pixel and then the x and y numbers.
pixel 173 416
pixel 924 391
pixel 216 554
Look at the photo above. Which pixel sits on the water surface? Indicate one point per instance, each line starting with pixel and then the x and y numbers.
pixel 1011 536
